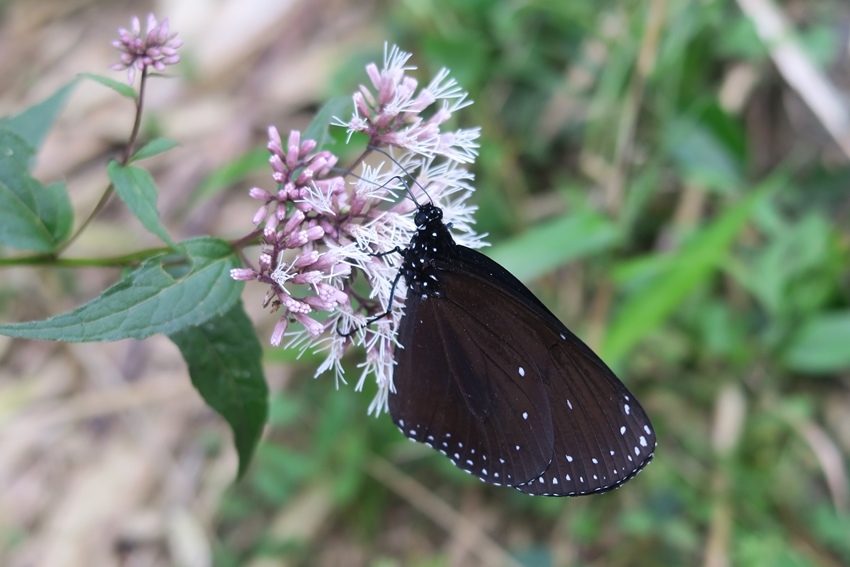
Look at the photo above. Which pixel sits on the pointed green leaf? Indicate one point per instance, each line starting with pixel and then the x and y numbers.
pixel 121 88
pixel 319 128
pixel 33 124
pixel 224 358
pixel 32 216
pixel 163 295
pixel 136 188
pixel 820 346
pixel 55 211
pixel 693 264
pixel 154 147
pixel 20 227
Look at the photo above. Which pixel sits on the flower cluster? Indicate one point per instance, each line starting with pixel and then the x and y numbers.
pixel 157 48
pixel 324 228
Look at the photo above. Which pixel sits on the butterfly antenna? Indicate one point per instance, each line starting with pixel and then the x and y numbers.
pixel 406 172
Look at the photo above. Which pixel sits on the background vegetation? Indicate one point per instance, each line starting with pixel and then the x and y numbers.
pixel 670 175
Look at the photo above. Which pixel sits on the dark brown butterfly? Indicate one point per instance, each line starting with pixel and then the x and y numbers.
pixel 489 377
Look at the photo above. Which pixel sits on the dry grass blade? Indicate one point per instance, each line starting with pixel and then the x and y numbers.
pixel 797 68
pixel 479 543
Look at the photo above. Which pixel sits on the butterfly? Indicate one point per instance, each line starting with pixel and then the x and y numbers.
pixel 490 378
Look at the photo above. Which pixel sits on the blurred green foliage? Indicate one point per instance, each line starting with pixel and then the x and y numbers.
pixel 702 244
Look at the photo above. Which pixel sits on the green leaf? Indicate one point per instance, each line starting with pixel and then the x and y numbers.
pixel 136 188
pixel 55 210
pixel 20 227
pixel 548 246
pixel 33 124
pixel 319 128
pixel 121 88
pixel 709 149
pixel 32 216
pixel 16 156
pixel 226 175
pixel 154 147
pixel 702 255
pixel 821 345
pixel 224 358
pixel 163 295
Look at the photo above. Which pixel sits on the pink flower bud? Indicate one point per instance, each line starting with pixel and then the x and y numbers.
pixel 361 106
pixel 308 146
pixel 275 146
pixel 265 262
pixel 374 75
pixel 331 294
pixel 294 140
pixel 297 239
pixel 243 274
pixel 313 327
pixel 319 303
pixel 315 232
pixel 277 164
pixel 294 305
pixel 306 259
pixel 294 222
pixel 273 222
pixel 260 214
pixel 279 330
pixel 304 177
pixel 259 194
pixel 312 277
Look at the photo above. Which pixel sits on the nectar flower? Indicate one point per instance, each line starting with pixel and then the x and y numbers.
pixel 157 48
pixel 391 114
pixel 322 229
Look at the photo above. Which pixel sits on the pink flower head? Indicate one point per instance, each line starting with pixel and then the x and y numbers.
pixel 322 228
pixel 157 48
pixel 391 113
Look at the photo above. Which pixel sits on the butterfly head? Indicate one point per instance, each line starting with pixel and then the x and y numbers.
pixel 427 215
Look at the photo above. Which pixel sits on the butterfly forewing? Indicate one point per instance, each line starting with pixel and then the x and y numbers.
pixel 464 400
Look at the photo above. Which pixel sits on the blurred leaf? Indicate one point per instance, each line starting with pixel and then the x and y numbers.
pixel 708 148
pixel 821 43
pixel 741 40
pixel 692 265
pixel 33 124
pixel 230 173
pixel 165 294
pixel 154 147
pixel 821 344
pixel 136 188
pixel 319 129
pixel 545 247
pixel 224 359
pixel 120 87
pixel 794 272
pixel 284 410
pixel 56 211
pixel 32 216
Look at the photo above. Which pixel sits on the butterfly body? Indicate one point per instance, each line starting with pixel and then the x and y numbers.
pixel 489 377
